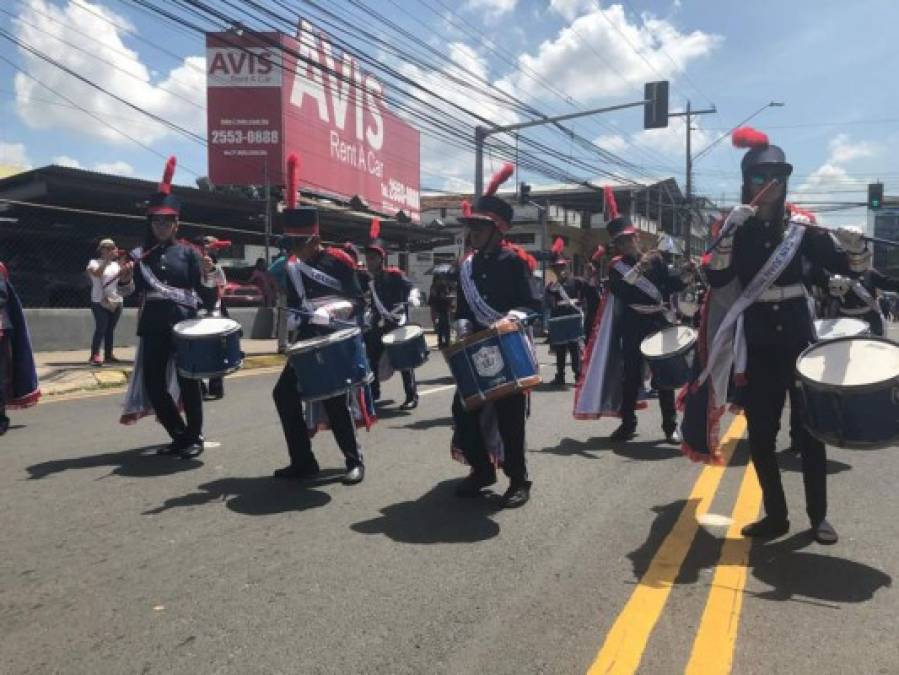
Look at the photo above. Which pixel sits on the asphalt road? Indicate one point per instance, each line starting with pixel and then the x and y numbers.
pixel 115 560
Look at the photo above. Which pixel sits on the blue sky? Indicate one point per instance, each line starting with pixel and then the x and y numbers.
pixel 830 63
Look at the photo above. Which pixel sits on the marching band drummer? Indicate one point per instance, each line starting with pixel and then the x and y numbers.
pixel 856 295
pixel 593 288
pixel 391 293
pixel 759 321
pixel 498 282
pixel 314 271
pixel 175 280
pixel 643 284
pixel 563 296
pixel 19 386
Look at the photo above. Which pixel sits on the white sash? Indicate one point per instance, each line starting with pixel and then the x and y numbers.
pixel 567 299
pixel 399 317
pixel 318 276
pixel 182 296
pixel 642 282
pixel 723 347
pixel 483 313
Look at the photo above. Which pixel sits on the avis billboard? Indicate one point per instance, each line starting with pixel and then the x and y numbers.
pixel 271 94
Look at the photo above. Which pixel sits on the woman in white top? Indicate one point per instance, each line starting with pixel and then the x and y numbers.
pixel 106 302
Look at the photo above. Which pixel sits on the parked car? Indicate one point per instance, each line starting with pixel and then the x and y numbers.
pixel 242 294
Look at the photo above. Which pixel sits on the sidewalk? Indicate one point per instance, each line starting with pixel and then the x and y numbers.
pixel 64 372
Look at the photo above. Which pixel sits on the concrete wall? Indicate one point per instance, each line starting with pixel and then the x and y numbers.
pixel 62 329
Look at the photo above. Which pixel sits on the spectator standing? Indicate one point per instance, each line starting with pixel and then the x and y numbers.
pixel 106 302
pixel 441 302
pixel 278 272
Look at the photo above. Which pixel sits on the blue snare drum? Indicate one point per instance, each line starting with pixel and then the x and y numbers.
pixel 669 353
pixel 207 347
pixel 329 365
pixel 828 329
pixel 851 390
pixel 406 347
pixel 492 364
pixel 565 329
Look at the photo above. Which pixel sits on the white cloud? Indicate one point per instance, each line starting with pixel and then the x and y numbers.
pixel 65 160
pixel 842 150
pixel 571 9
pixel 14 154
pixel 493 8
pixel 601 53
pixel 107 63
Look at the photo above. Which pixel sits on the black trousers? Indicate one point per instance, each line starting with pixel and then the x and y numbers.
pixel 443 328
pixel 157 350
pixel 770 374
pixel 572 348
pixel 104 328
pixel 510 417
pixel 633 383
pixel 5 368
pixel 374 348
pixel 299 446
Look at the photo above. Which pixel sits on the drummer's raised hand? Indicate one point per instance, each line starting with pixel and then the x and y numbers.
pixel 739 215
pixel 321 317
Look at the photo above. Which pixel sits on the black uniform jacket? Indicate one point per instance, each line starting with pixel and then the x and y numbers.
pixel 576 289
pixel 335 263
pixel 661 276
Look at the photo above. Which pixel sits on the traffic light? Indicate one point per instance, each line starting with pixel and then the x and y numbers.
pixel 655 110
pixel 524 193
pixel 875 195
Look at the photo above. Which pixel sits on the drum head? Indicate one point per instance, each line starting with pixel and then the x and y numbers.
pixel 850 362
pixel 307 345
pixel 827 329
pixel 668 341
pixel 208 326
pixel 402 334
pixel 341 335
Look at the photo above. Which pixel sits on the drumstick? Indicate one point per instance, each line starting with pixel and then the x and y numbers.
pixel 721 235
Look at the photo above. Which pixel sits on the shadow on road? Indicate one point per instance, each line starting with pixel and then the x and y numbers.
pixel 792 573
pixel 437 517
pixel 422 425
pixel 445 379
pixel 635 450
pixel 789 461
pixel 137 463
pixel 256 496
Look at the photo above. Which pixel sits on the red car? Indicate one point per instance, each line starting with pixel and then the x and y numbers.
pixel 242 294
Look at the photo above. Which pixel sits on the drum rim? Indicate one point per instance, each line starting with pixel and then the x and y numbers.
pixel 421 332
pixel 855 388
pixel 299 347
pixel 234 329
pixel 836 442
pixel 474 338
pixel 368 379
pixel 866 332
pixel 679 352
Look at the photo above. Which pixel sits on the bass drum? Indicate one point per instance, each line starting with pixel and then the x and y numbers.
pixel 669 353
pixel 851 390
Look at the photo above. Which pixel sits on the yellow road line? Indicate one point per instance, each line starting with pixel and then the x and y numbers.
pixel 624 645
pixel 713 649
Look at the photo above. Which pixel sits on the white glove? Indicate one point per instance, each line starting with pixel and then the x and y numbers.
pixel 321 317
pixel 851 239
pixel 415 297
pixel 737 216
pixel 516 315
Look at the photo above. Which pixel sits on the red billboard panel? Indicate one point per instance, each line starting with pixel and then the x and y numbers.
pixel 321 105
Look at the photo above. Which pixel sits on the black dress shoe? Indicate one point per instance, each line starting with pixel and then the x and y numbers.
pixel 517 495
pixel 625 432
pixel 192 448
pixel 410 403
pixel 766 528
pixel 673 437
pixel 824 533
pixel 297 472
pixel 353 475
pixel 172 448
pixel 473 483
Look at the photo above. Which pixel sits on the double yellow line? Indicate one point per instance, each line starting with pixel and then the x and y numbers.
pixel 715 639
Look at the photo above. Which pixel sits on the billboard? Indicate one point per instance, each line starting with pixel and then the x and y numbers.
pixel 272 94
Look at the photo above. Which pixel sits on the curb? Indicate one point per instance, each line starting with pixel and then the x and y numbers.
pixel 113 378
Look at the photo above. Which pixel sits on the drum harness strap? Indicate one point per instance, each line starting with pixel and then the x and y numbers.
pixel 865 297
pixel 399 317
pixel 484 313
pixel 634 277
pixel 566 299
pixel 161 291
pixel 295 270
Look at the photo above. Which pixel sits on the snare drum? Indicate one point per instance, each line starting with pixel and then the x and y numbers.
pixel 492 364
pixel 565 329
pixel 851 390
pixel 827 329
pixel 329 365
pixel 406 347
pixel 207 347
pixel 669 353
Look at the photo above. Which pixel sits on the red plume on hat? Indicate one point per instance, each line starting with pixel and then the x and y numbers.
pixel 747 137
pixel 500 177
pixel 293 179
pixel 611 205
pixel 165 187
pixel 374 243
pixel 375 230
pixel 558 246
pixel 466 208
pixel 598 254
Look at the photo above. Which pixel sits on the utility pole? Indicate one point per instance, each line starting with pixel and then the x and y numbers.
pixel 688 178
